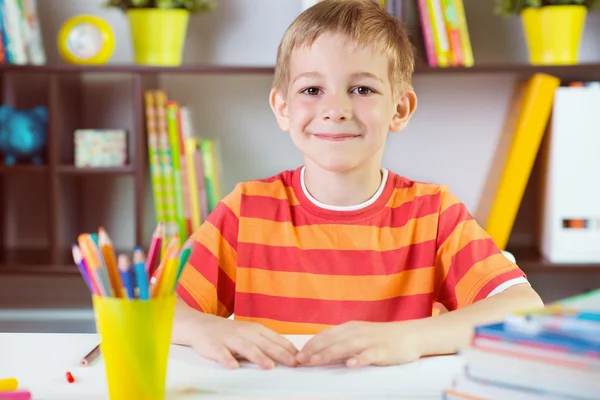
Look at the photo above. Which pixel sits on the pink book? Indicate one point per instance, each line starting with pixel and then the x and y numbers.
pixel 427 34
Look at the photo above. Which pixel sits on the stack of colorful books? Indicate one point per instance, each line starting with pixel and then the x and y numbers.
pixel 551 353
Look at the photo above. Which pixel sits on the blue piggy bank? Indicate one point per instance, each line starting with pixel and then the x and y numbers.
pixel 23 134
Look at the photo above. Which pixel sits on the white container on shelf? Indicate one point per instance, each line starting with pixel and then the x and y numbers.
pixel 570 190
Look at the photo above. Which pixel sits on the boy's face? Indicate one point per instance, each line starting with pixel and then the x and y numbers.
pixel 339 105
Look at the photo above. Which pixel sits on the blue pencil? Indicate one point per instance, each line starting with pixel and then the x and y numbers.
pixel 141 277
pixel 126 275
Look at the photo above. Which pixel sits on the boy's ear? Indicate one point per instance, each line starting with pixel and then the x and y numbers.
pixel 280 109
pixel 406 106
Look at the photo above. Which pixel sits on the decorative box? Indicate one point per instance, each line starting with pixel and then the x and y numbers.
pixel 100 148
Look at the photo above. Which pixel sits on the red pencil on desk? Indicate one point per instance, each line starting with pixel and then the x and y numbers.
pixel 155 249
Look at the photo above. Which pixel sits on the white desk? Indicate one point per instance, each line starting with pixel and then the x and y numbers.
pixel 40 361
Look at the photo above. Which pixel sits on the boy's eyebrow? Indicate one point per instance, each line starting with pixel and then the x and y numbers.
pixel 366 75
pixel 312 74
pixel 356 75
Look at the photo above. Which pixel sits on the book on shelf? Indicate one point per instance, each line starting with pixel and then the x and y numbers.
pixel 445 33
pixel 184 168
pixel 20 33
pixel 549 353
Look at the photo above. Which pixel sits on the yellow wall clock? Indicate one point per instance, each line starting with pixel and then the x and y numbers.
pixel 86 39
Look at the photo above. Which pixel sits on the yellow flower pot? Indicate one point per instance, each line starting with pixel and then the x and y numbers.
pixel 158 35
pixel 553 33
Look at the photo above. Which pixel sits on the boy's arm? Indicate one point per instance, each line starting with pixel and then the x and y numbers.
pixel 449 332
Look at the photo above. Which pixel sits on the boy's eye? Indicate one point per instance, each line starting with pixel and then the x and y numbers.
pixel 311 91
pixel 362 90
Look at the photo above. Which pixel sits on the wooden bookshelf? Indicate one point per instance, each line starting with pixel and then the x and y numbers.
pixel 61 90
pixel 589 71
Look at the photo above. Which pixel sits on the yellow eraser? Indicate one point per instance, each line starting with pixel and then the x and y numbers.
pixel 8 384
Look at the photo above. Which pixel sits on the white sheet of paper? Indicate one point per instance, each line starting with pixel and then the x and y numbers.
pixel 424 378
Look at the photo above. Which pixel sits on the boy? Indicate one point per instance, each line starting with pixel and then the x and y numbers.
pixel 342 248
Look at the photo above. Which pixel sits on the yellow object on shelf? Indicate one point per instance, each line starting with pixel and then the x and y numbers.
pixel 86 39
pixel 554 33
pixel 158 35
pixel 515 155
pixel 135 341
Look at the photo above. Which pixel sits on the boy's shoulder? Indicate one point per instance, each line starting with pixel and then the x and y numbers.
pixel 407 189
pixel 277 185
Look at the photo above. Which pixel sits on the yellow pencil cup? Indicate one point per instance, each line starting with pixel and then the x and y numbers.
pixel 135 339
pixel 158 35
pixel 554 33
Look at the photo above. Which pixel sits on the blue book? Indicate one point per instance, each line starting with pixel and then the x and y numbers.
pixel 556 339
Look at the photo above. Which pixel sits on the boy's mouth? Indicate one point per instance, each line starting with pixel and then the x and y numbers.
pixel 335 137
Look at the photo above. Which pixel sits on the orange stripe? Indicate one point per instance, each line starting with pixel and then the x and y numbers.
pixel 401 196
pixel 275 189
pixel 202 291
pixel 479 274
pixel 287 328
pixel 463 234
pixel 212 239
pixel 335 287
pixel 447 199
pixel 347 237
pixel 232 201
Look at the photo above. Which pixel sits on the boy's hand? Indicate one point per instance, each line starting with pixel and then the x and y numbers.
pixel 221 339
pixel 363 343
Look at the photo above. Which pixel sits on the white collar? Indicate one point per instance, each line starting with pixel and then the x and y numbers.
pixel 367 203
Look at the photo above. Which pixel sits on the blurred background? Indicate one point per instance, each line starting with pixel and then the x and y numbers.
pixel 82 81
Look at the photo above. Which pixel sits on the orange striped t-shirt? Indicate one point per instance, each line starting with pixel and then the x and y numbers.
pixel 270 253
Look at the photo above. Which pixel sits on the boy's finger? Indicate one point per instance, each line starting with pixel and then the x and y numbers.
pixel 222 355
pixel 251 352
pixel 321 341
pixel 279 339
pixel 274 350
pixel 338 351
pixel 370 356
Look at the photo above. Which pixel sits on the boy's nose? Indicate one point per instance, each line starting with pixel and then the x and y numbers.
pixel 337 108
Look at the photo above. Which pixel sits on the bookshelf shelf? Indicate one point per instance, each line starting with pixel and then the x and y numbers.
pixel 531 261
pixel 72 170
pixel 23 169
pixel 579 71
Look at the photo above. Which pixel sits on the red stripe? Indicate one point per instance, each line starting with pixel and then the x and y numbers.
pixel 449 218
pixel 208 265
pixel 477 250
pixel 337 262
pixel 188 298
pixel 226 222
pixel 279 210
pixel 497 281
pixel 332 312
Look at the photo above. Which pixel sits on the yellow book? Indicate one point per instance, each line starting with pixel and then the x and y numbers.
pixel 465 40
pixel 191 144
pixel 440 36
pixel 515 156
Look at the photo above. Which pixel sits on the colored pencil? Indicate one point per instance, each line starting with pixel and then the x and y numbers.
pixel 80 262
pixel 91 356
pixel 185 255
pixel 156 277
pixel 127 275
pixel 141 277
pixel 154 252
pixel 108 252
pixel 102 265
pixel 94 268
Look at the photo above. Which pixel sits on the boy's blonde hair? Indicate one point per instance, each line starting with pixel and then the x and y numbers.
pixel 364 22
